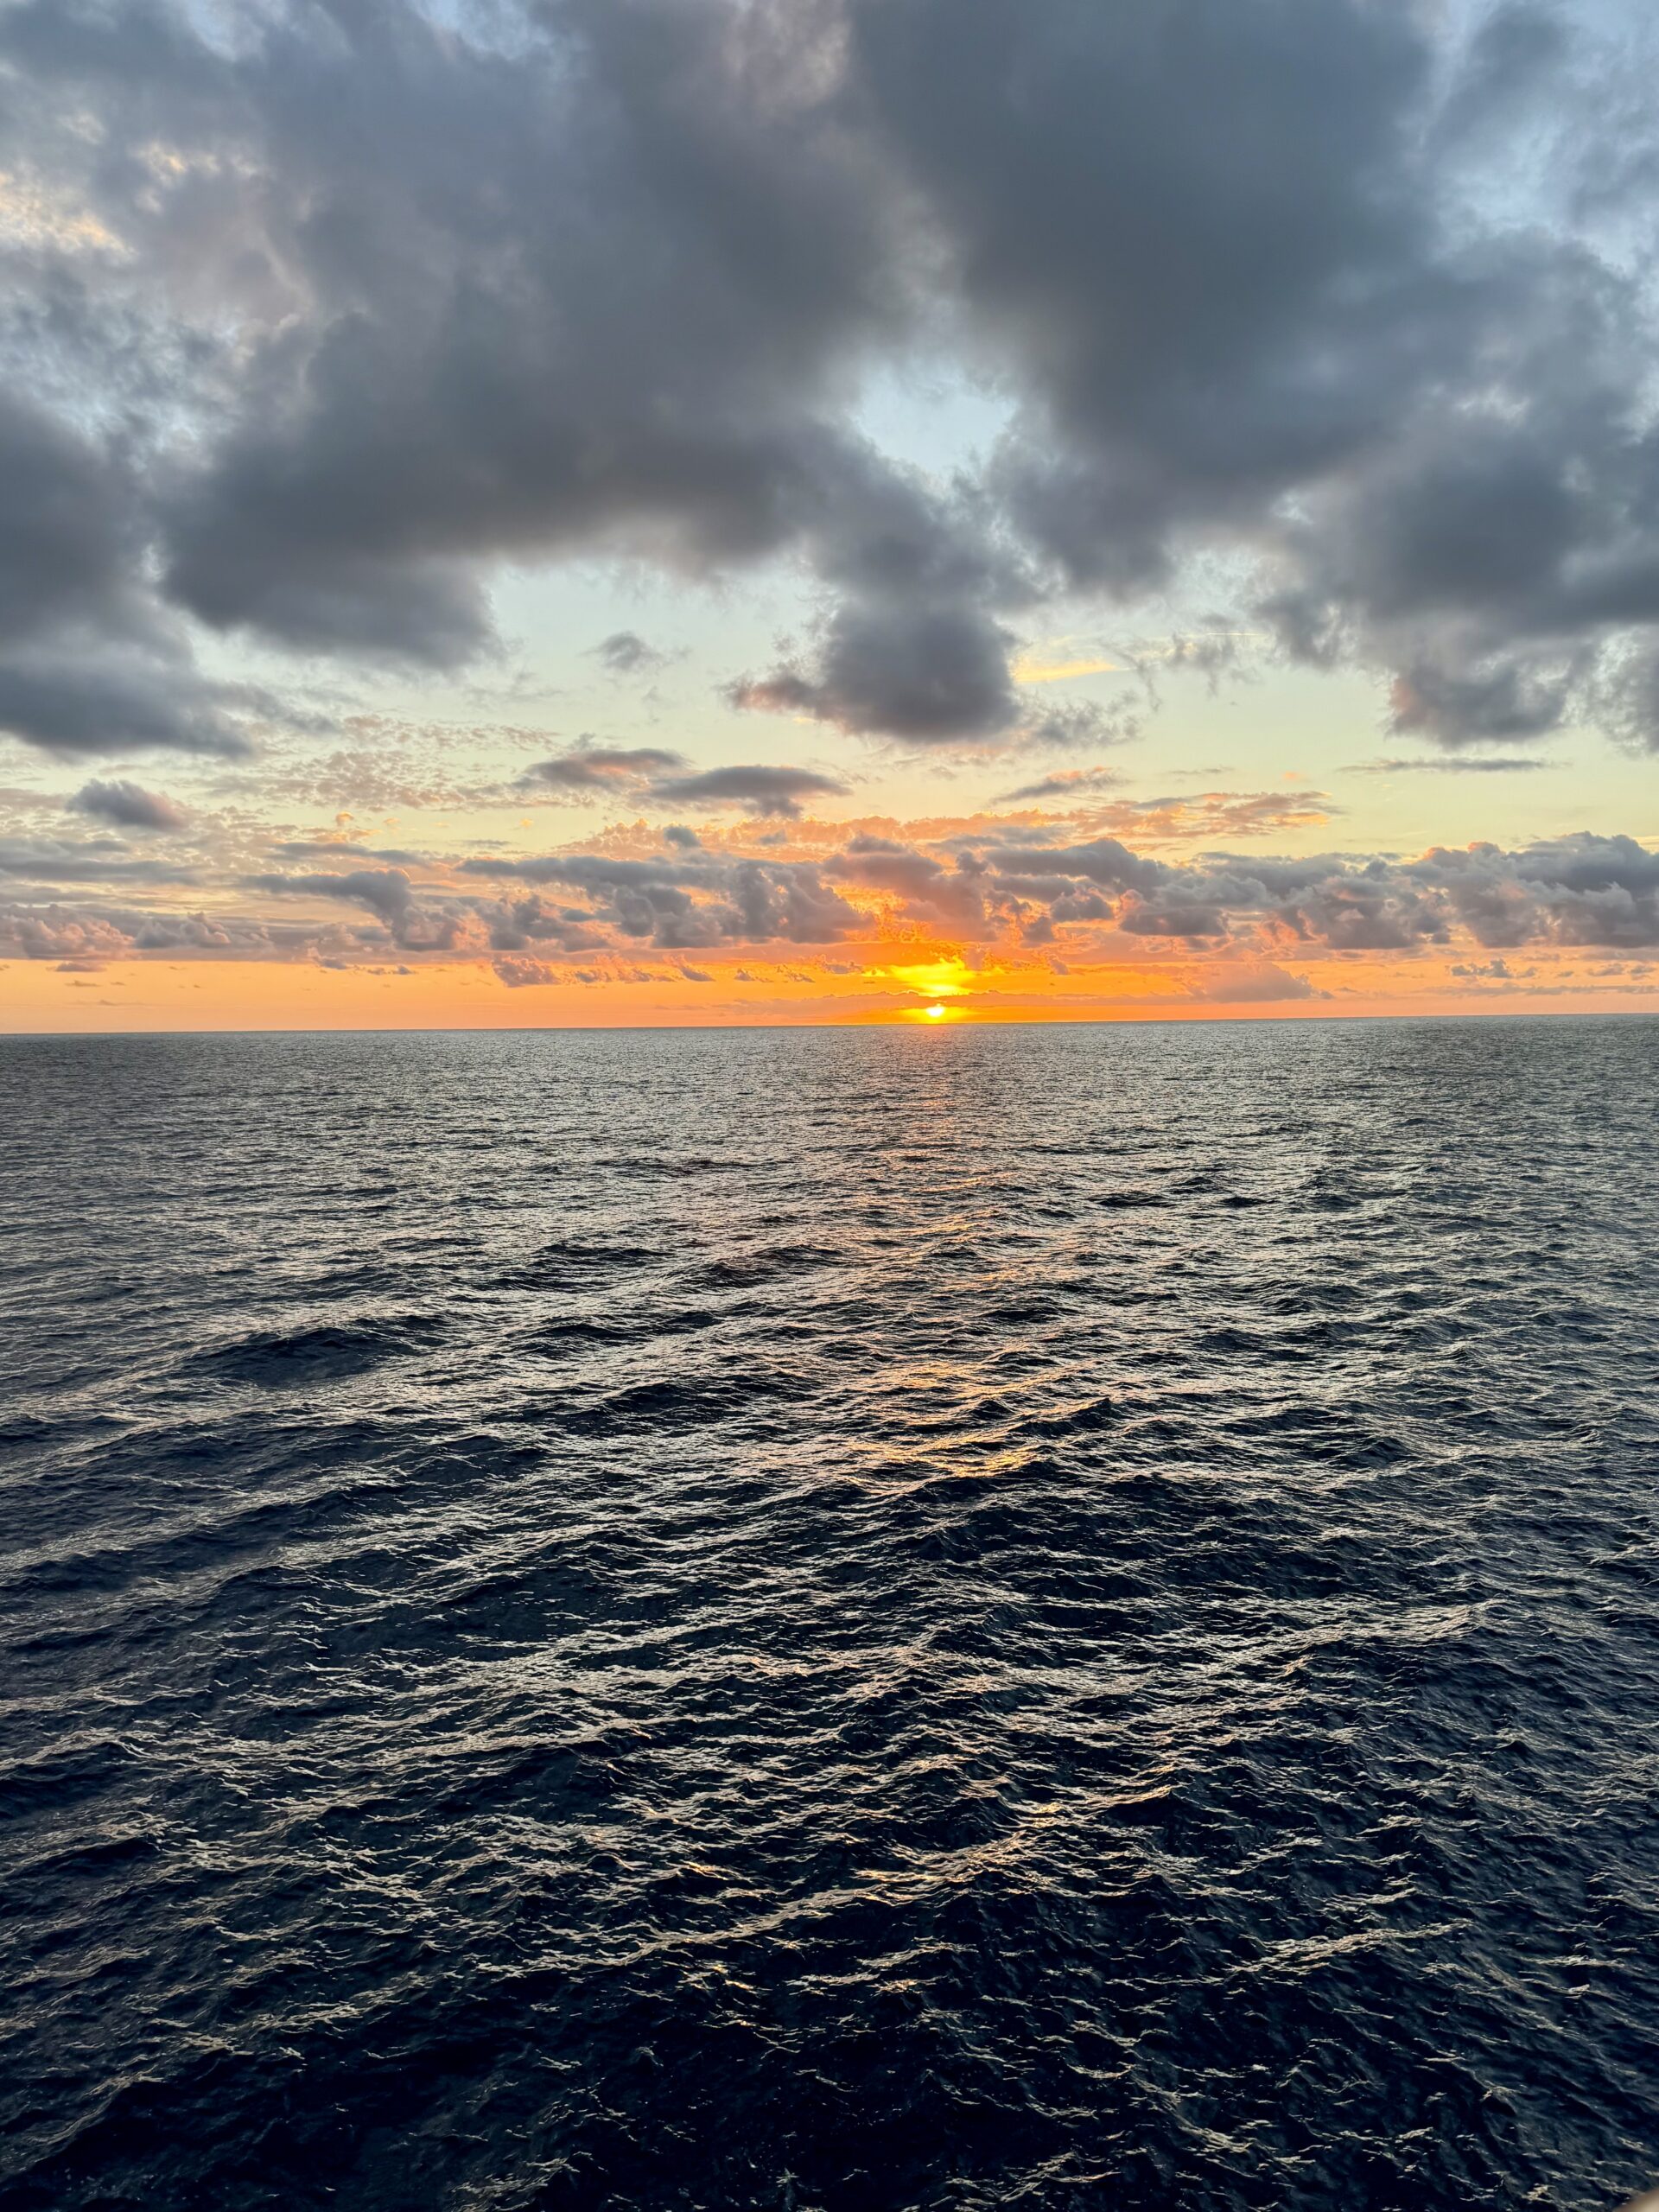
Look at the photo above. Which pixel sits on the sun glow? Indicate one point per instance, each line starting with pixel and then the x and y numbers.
pixel 933 979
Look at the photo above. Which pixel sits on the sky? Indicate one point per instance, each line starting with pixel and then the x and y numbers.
pixel 540 512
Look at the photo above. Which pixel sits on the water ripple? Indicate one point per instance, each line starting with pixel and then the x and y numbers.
pixel 831 1621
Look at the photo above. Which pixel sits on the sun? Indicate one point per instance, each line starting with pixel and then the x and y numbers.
pixel 934 1012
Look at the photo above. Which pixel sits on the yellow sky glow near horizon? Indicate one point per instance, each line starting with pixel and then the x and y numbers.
pixel 204 994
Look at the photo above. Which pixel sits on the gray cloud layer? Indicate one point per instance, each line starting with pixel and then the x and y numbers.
pixel 374 302
pixel 1006 883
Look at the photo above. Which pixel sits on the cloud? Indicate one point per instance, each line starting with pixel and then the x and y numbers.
pixel 53 932
pixel 609 770
pixel 649 775
pixel 589 293
pixel 980 883
pixel 928 674
pixel 625 652
pixel 305 848
pixel 81 695
pixel 412 921
pixel 1260 984
pixel 1484 971
pixel 931 890
pixel 1074 723
pixel 761 791
pixel 520 975
pixel 384 301
pixel 1070 784
pixel 97 860
pixel 696 899
pixel 1230 260
pixel 387 892
pixel 128 805
pixel 90 661
pixel 1454 764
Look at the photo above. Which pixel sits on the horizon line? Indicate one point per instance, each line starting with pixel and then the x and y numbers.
pixel 899 1027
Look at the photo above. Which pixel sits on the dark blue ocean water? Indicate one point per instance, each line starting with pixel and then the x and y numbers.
pixel 842 1620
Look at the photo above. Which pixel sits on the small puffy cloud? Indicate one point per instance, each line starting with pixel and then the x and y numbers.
pixel 625 652
pixel 128 805
pixel 51 931
pixel 519 973
pixel 927 674
pixel 1485 971
pixel 1259 983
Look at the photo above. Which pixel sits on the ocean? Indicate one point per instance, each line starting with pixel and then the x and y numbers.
pixel 832 1620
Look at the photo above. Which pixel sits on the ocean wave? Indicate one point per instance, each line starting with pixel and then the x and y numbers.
pixel 783 1623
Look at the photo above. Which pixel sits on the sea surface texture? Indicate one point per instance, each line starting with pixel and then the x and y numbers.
pixel 832 1620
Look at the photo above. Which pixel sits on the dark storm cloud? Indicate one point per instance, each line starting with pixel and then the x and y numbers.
pixel 77 698
pixel 1224 252
pixel 89 662
pixel 128 805
pixel 597 288
pixel 67 528
pixel 1184 222
pixel 587 292
pixel 600 277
